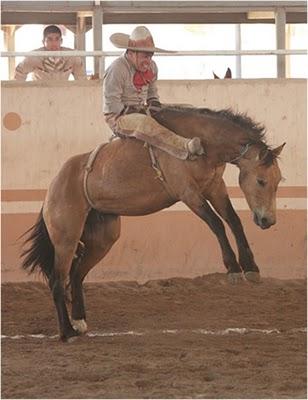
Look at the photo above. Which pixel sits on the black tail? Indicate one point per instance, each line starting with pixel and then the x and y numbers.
pixel 41 252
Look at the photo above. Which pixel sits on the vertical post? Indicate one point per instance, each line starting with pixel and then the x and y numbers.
pixel 289 32
pixel 238 46
pixel 9 43
pixel 280 18
pixel 97 23
pixel 80 36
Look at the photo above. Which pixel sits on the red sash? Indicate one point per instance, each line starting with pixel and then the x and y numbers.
pixel 143 78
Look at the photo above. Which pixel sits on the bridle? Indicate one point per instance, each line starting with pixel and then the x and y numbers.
pixel 242 153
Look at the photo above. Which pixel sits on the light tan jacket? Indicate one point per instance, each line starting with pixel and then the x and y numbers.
pixel 50 68
pixel 119 90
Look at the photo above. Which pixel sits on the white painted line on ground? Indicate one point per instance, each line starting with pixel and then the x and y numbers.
pixel 219 332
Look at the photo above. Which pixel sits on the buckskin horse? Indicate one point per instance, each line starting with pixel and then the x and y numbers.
pixel 80 218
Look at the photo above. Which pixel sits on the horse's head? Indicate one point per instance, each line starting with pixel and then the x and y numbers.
pixel 259 178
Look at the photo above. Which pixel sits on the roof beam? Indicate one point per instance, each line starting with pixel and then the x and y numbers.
pixel 114 6
pixel 19 18
pixel 160 12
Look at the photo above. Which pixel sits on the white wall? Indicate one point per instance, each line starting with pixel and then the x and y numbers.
pixel 59 120
pixel 65 118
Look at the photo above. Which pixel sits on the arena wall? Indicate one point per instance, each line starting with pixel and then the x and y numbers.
pixel 45 123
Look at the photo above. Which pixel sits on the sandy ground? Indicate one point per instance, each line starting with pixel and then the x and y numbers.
pixel 163 339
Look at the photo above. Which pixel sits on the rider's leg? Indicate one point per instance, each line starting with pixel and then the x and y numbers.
pixel 145 128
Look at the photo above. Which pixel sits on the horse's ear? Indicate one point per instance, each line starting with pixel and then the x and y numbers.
pixel 215 76
pixel 263 154
pixel 228 74
pixel 276 152
pixel 267 156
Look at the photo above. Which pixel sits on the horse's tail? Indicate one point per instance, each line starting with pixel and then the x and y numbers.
pixel 41 253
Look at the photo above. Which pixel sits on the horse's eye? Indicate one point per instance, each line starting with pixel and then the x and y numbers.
pixel 261 182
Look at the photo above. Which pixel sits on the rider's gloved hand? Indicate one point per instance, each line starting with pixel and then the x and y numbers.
pixel 133 109
pixel 154 106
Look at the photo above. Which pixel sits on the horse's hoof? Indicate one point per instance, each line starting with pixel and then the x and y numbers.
pixel 71 339
pixel 253 276
pixel 80 325
pixel 235 277
pixel 69 336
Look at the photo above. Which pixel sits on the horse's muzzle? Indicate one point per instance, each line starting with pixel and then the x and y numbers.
pixel 262 221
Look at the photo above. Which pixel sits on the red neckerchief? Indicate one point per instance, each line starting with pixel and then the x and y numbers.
pixel 143 78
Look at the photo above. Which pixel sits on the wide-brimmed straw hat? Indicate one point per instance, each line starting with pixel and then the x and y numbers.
pixel 139 40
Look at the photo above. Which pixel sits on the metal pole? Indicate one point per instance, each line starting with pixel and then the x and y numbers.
pixel 97 22
pixel 288 46
pixel 9 42
pixel 238 44
pixel 280 18
pixel 100 53
pixel 80 36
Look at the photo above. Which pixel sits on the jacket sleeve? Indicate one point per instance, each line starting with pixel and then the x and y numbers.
pixel 152 91
pixel 113 87
pixel 78 69
pixel 24 68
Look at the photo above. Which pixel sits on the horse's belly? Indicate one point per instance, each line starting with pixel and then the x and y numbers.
pixel 138 197
pixel 132 206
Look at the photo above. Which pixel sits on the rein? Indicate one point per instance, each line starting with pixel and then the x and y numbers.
pixel 243 152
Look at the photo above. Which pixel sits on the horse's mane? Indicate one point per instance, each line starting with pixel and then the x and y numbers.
pixel 255 131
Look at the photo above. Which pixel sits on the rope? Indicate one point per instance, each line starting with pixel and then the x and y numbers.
pixel 157 169
pixel 88 169
pixel 155 165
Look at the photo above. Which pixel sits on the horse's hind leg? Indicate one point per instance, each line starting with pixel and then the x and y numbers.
pixel 98 237
pixel 57 283
pixel 65 227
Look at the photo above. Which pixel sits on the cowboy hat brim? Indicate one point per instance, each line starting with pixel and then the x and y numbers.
pixel 121 40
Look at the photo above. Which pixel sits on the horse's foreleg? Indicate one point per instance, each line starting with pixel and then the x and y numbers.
pixel 200 207
pixel 223 206
pixel 97 242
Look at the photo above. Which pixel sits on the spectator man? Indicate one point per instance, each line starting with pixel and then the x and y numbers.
pixel 50 68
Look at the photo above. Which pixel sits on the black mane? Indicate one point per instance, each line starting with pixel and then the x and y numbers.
pixel 255 131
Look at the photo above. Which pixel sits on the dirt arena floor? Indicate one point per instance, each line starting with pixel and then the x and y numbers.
pixel 175 338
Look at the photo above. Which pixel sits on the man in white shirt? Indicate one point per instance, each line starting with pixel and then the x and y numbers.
pixel 50 68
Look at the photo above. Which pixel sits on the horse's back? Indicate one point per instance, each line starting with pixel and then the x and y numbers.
pixel 123 181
